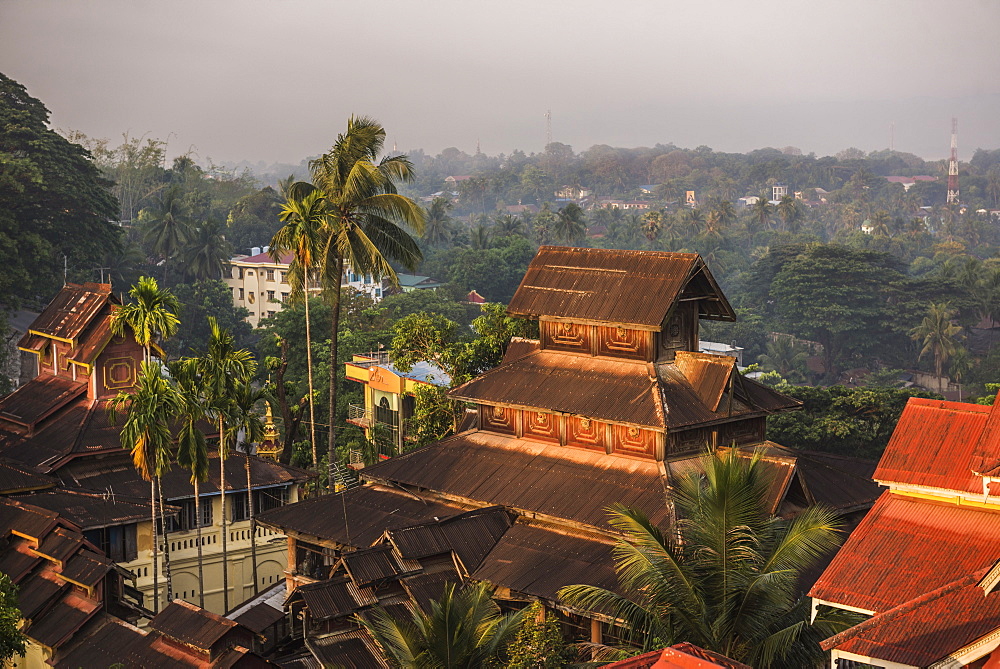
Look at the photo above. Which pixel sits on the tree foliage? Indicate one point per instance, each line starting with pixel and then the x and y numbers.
pixel 12 639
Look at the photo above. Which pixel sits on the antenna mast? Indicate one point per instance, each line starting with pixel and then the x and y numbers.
pixel 548 127
pixel 953 164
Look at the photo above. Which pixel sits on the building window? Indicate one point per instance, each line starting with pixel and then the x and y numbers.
pixel 284 297
pixel 240 271
pixel 284 277
pixel 238 506
pixel 269 498
pixel 241 294
pixel 118 542
pixel 188 514
pixel 271 313
pixel 270 296
pixel 270 275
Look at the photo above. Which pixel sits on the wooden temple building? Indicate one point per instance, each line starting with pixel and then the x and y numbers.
pixel 610 405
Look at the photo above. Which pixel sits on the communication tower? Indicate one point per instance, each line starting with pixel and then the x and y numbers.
pixel 548 127
pixel 953 164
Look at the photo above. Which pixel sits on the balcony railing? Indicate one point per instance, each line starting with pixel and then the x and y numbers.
pixel 358 415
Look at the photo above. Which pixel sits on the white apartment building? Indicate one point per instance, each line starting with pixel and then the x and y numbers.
pixel 260 283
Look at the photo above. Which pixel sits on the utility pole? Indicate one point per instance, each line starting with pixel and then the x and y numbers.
pixel 953 164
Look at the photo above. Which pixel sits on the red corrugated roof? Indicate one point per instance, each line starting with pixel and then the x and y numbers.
pixel 266 259
pixel 907 546
pixel 934 444
pixel 928 628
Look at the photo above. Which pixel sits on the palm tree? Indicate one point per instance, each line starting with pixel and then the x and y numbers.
pixel 695 220
pixel 149 409
pixel 784 357
pixel 761 212
pixel 939 336
pixel 438 230
pixel 206 252
pixel 221 369
pixel 305 217
pixel 166 228
pixel 464 630
pixel 788 212
pixel 367 223
pixel 725 578
pixel 508 224
pixel 652 223
pixel 152 315
pixel 570 224
pixel 192 447
pixel 479 237
pixel 248 420
pixel 880 223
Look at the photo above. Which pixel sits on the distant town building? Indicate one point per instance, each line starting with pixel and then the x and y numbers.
pixel 573 192
pixel 778 191
pixel 748 201
pixel 909 182
pixel 690 200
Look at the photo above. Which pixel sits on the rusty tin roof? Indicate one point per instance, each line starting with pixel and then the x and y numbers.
pixel 71 311
pixel 611 286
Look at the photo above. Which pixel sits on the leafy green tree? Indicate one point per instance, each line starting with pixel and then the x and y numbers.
pixel 785 357
pixel 463 630
pixel 149 409
pixel 197 302
pixel 938 336
pixel 12 639
pixel 55 207
pixel 368 222
pixel 539 642
pixel 727 579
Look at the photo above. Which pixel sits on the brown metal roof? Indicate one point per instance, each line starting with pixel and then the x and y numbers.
pixel 537 561
pixel 708 375
pixel 79 428
pixel 378 563
pixel 370 511
pixel 93 341
pixel 259 617
pixel 15 478
pixel 61 621
pixel 426 588
pixel 191 625
pixel 36 593
pixel 566 483
pixel 86 568
pixel 610 286
pixel 25 519
pixel 607 389
pixel 334 598
pixel 72 309
pixel 39 398
pixel 836 481
pixel 60 544
pixel 354 649
pixel 91 510
pixel 471 535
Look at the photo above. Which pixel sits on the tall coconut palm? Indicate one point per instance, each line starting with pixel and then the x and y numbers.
pixel 165 226
pixel 152 315
pixel 305 218
pixel 506 225
pixel 192 447
pixel 438 229
pixel 939 336
pixel 206 252
pixel 788 212
pixel 246 418
pixel 725 578
pixel 463 630
pixel 652 224
pixel 221 369
pixel 368 223
pixel 571 223
pixel 149 409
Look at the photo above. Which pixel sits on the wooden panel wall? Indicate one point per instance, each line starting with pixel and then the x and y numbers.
pixel 629 440
pixel 497 419
pixel 749 431
pixel 586 433
pixel 680 331
pixel 541 425
pixel 572 337
pixel 690 441
pixel 622 342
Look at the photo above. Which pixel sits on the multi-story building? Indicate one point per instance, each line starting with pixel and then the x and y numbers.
pixel 260 283
pixel 58 424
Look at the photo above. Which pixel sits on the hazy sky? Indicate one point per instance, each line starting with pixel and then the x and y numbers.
pixel 275 80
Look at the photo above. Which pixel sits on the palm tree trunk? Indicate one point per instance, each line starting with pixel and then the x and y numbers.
pixel 156 540
pixel 334 330
pixel 225 530
pixel 201 563
pixel 253 525
pixel 166 544
pixel 309 376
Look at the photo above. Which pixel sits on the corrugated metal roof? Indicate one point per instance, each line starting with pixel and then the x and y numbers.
pixel 39 398
pixel 62 620
pixel 191 625
pixel 679 656
pixel 926 629
pixel 91 510
pixel 603 388
pixel 426 588
pixel 708 375
pixel 60 544
pixel 609 286
pixel 26 519
pixel 370 511
pixel 906 546
pixel 471 535
pixel 569 483
pixel 86 568
pixel 537 561
pixel 72 309
pixel 15 478
pixel 934 445
pixel 334 598
pixel 378 563
pixel 354 649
